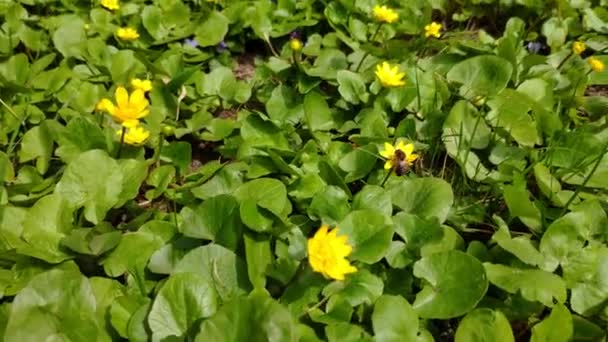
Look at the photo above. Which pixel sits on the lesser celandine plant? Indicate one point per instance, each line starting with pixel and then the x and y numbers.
pixel 255 170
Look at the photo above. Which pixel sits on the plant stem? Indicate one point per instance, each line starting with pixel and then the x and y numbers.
pixel 316 306
pixel 587 178
pixel 367 53
pixel 122 141
pixel 564 60
pixel 386 177
pixel 161 138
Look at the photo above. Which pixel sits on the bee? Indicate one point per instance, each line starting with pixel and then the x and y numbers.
pixel 400 164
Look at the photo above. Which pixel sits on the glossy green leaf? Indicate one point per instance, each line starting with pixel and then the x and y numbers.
pixel 425 197
pixel 254 318
pixel 484 325
pixel 182 301
pixel 456 283
pixel 394 319
pixel 534 284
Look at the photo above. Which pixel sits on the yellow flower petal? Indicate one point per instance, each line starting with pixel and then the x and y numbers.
pixel 388 150
pixel 110 4
pixel 389 76
pixel 122 97
pixel 408 149
pixel 596 64
pixel 388 164
pixel 327 252
pixel 578 47
pixel 144 85
pixel 385 14
pixel 433 30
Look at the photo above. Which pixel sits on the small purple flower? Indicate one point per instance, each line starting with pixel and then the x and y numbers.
pixel 222 46
pixel 191 42
pixel 534 47
pixel 297 34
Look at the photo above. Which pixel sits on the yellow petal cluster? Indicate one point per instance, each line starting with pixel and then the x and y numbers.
pixel 595 64
pixel 128 109
pixel 389 75
pixel 134 135
pixel 433 30
pixel 578 47
pixel 389 153
pixel 143 85
pixel 385 14
pixel 127 33
pixel 110 4
pixel 327 253
pixel 295 44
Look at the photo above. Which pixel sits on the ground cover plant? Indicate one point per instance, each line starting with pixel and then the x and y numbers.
pixel 303 170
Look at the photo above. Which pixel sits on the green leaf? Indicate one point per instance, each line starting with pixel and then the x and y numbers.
pixel 394 319
pixel 216 219
pixel 160 178
pixel 481 75
pixel 467 125
pixel 351 87
pixel 426 197
pixel 93 180
pixel 284 106
pixel 46 224
pixel 484 325
pixel 121 311
pixel 134 173
pixel 358 288
pixel 556 31
pixel 521 206
pixel 555 328
pixel 345 332
pixel 78 136
pixel 254 318
pixel 212 30
pixel 319 116
pixel 60 304
pixel 37 144
pixel 259 195
pixel 457 282
pixel 183 300
pixel 328 63
pixel 179 153
pixel 330 205
pixel 70 38
pixel 358 162
pixel 373 197
pixel 520 246
pixel 227 272
pixel 369 232
pixel 134 250
pixel 534 284
pixel 259 258
pixel 417 232
pixel 509 112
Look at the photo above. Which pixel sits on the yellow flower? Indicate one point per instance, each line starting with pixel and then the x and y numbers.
pixel 295 44
pixel 134 135
pixel 596 64
pixel 391 156
pixel 128 110
pixel 144 85
pixel 127 33
pixel 433 30
pixel 110 4
pixel 578 47
pixel 389 75
pixel 327 253
pixel 385 14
